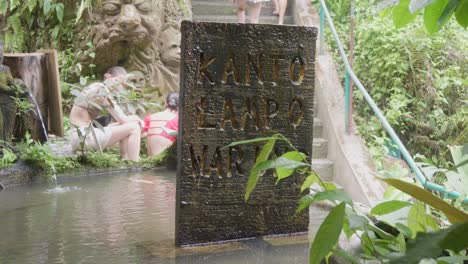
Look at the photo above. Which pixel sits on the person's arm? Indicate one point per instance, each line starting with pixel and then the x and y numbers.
pixel 118 114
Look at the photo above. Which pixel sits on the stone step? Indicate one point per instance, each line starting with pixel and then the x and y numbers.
pixel 203 8
pixel 324 168
pixel 233 19
pixel 320 148
pixel 318 128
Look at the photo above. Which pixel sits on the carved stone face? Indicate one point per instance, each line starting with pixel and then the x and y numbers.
pixel 170 47
pixel 135 22
pixel 137 79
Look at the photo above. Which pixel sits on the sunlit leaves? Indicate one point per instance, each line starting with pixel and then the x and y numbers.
pixel 432 14
pixel 327 235
pixel 436 12
pixel 333 195
pixel 389 207
pixel 461 13
pixel 453 214
pixel 255 173
pixel 402 15
pixel 432 244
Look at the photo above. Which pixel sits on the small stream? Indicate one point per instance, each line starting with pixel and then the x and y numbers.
pixel 124 218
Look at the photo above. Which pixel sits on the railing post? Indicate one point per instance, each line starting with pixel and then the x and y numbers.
pixel 322 25
pixel 349 126
pixel 347 101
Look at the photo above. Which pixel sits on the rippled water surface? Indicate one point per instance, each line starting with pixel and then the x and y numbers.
pixel 124 218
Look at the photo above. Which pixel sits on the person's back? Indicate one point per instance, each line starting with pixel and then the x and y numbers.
pixel 161 127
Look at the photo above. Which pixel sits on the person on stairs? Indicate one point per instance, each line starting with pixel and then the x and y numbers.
pixel 255 7
pixel 280 10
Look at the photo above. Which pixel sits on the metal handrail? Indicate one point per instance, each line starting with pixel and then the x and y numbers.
pixel 409 160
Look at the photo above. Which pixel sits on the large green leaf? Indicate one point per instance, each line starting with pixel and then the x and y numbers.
pixel 453 214
pixel 461 13
pixel 432 14
pixel 402 15
pixel 432 244
pixel 333 195
pixel 255 140
pixel 296 158
pixel 389 207
pixel 327 234
pixel 311 179
pixel 255 173
pixel 419 220
pixel 448 11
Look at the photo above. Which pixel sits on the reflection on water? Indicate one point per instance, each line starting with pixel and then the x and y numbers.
pixel 126 218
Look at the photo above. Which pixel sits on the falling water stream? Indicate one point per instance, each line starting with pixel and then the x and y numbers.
pixel 39 114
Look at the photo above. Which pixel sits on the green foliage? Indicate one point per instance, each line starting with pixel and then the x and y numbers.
pixel 102 160
pixel 8 158
pixel 414 233
pixel 36 154
pixel 327 235
pixel 436 12
pixel 418 80
pixel 453 214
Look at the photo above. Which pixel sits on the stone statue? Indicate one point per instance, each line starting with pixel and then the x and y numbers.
pixel 126 33
pixel 169 47
pixel 7 103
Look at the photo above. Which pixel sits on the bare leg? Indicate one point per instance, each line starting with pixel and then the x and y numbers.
pixel 241 6
pixel 282 4
pixel 276 11
pixel 254 12
pixel 157 144
pixel 123 148
pixel 128 135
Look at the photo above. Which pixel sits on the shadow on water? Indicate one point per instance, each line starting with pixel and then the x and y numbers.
pixel 125 218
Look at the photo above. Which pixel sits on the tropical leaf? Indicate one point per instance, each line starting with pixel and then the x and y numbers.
pixel 402 15
pixel 255 140
pixel 389 207
pixel 255 173
pixel 333 195
pixel 311 179
pixel 432 14
pixel 295 157
pixel 327 235
pixel 453 214
pixel 461 13
pixel 432 244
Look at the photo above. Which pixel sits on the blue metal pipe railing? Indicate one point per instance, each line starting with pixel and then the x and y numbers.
pixel 409 160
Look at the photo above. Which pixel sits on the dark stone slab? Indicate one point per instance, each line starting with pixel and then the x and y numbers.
pixel 241 81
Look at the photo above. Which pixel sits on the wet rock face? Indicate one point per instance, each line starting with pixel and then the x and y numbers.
pixel 127 33
pixel 238 82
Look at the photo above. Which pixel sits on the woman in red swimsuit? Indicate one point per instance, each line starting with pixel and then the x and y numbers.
pixel 161 128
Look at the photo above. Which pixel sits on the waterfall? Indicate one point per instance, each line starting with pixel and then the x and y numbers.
pixel 39 114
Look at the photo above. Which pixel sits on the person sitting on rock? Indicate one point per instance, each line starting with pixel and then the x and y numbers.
pixel 90 105
pixel 161 127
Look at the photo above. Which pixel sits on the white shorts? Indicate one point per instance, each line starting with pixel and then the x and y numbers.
pixel 103 137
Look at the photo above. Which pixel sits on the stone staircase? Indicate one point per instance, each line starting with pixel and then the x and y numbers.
pixel 225 11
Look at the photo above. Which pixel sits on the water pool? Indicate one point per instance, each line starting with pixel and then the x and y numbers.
pixel 122 218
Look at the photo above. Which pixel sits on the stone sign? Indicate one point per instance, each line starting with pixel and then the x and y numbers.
pixel 241 81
